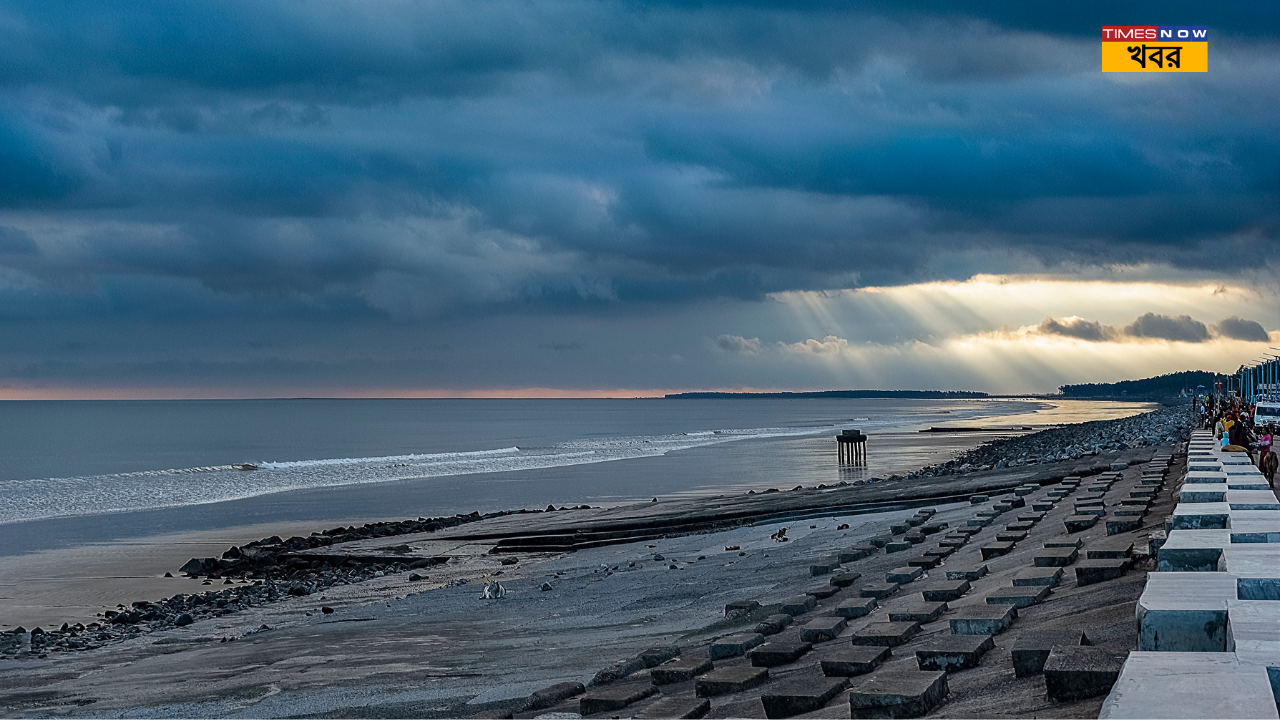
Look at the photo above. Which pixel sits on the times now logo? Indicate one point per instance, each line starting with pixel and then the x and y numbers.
pixel 1186 33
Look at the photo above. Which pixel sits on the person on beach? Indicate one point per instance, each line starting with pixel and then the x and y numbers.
pixel 1239 436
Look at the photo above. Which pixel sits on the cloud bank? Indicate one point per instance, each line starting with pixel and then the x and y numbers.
pixel 332 192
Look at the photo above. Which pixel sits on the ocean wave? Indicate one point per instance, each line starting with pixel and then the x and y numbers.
pixel 26 500
pixel 387 459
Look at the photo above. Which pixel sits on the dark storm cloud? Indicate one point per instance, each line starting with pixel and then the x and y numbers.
pixel 1077 328
pixel 1241 329
pixel 1182 328
pixel 432 162
pixel 16 242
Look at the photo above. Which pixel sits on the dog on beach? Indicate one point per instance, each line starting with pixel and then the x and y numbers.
pixel 493 591
pixel 1268 467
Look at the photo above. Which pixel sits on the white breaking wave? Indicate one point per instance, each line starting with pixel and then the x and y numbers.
pixel 25 500
pixel 388 459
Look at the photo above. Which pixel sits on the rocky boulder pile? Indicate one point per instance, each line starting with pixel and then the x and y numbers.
pixel 1072 442
pixel 259 572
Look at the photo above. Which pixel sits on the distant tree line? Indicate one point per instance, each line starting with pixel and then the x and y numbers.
pixel 1162 386
pixel 899 394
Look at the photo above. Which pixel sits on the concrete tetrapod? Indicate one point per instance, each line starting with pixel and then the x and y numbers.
pixel 953 652
pixel 897 694
pixel 1032 649
pixel 682 670
pixel 1075 672
pixel 800 695
pixel 677 707
pixel 724 681
pixel 855 660
pixel 615 696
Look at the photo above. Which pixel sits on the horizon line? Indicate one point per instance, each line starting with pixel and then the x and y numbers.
pixel 170 393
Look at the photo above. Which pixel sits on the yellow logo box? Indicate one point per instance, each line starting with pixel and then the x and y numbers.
pixel 1155 56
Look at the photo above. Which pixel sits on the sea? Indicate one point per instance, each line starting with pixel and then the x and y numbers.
pixel 75 472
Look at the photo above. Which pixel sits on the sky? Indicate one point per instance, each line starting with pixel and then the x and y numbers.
pixel 608 198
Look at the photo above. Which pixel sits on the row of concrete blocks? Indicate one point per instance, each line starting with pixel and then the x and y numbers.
pixel 1072 668
pixel 1209 619
pixel 903 694
pixel 711 681
pixel 898 693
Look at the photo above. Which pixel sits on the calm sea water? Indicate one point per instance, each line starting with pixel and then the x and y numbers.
pixel 83 471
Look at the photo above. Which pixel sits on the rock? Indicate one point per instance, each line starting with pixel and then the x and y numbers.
pixel 677 707
pixel 183 619
pixel 886 634
pixel 953 652
pixel 546 586
pixel 734 645
pixel 773 624
pixel 655 656
pixel 617 671
pixel 798 605
pixel 822 629
pixel 1032 649
pixel 800 695
pixel 549 696
pixel 730 680
pixel 615 697
pixel 740 608
pixel 772 654
pixel 326 610
pixel 1075 672
pixel 855 660
pixel 856 607
pixel 686 668
pixel 901 693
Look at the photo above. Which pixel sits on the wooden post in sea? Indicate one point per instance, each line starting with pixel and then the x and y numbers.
pixel 851 447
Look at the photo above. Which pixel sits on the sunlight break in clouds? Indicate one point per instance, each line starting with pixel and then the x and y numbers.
pixel 1022 334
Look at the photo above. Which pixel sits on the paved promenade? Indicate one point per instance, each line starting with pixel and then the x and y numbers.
pixel 1209 620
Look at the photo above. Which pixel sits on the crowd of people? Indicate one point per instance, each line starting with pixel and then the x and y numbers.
pixel 1234 427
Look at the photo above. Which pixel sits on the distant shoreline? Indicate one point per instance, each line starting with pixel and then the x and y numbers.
pixel 841 394
pixel 911 395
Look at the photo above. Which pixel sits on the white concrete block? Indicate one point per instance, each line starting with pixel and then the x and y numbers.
pixel 1189 685
pixel 1203 492
pixel 1252 500
pixel 1245 530
pixel 1203 464
pixel 1253 634
pixel 1193 551
pixel 1256 567
pixel 1205 476
pixel 1184 612
pixel 1200 516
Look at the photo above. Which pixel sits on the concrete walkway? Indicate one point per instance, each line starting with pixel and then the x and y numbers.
pixel 1209 620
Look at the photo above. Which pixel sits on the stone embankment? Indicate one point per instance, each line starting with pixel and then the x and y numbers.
pixel 1166 425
